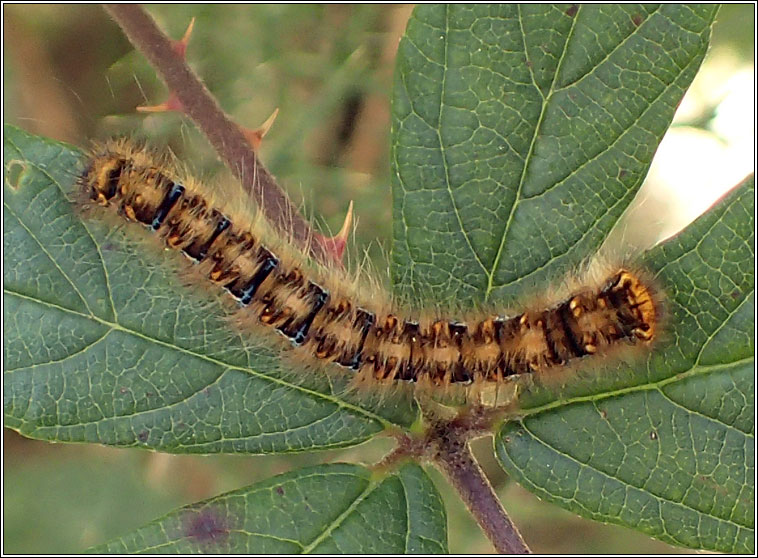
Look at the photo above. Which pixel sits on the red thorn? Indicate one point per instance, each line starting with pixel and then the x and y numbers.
pixel 180 46
pixel 335 245
pixel 171 104
pixel 255 137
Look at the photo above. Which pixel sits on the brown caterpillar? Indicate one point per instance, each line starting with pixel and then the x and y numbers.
pixel 332 325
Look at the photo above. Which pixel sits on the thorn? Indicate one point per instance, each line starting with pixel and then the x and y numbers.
pixel 346 225
pixel 180 46
pixel 335 245
pixel 266 126
pixel 171 104
pixel 255 137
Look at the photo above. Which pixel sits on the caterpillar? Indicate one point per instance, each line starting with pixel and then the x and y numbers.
pixel 331 325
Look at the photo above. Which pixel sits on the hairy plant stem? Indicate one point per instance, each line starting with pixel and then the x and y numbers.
pixel 223 134
pixel 454 458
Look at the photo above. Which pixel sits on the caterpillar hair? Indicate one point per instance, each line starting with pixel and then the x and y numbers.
pixel 328 322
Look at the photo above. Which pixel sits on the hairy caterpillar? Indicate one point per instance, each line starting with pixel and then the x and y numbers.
pixel 323 320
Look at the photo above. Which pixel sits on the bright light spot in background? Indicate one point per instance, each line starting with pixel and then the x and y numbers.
pixel 694 167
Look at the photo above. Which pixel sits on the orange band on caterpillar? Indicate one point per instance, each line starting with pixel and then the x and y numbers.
pixel 332 326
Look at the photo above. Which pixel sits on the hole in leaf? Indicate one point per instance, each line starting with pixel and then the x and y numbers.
pixel 14 173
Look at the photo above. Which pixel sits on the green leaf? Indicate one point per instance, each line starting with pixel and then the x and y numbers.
pixel 667 447
pixel 329 509
pixel 520 136
pixel 104 344
pixel 522 132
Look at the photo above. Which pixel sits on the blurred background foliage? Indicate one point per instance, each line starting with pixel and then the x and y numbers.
pixel 70 74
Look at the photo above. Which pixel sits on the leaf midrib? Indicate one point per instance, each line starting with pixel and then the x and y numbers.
pixel 528 157
pixel 118 327
pixel 695 370
pixel 370 487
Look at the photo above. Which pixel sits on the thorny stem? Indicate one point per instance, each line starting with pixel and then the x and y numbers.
pixel 223 134
pixel 447 440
